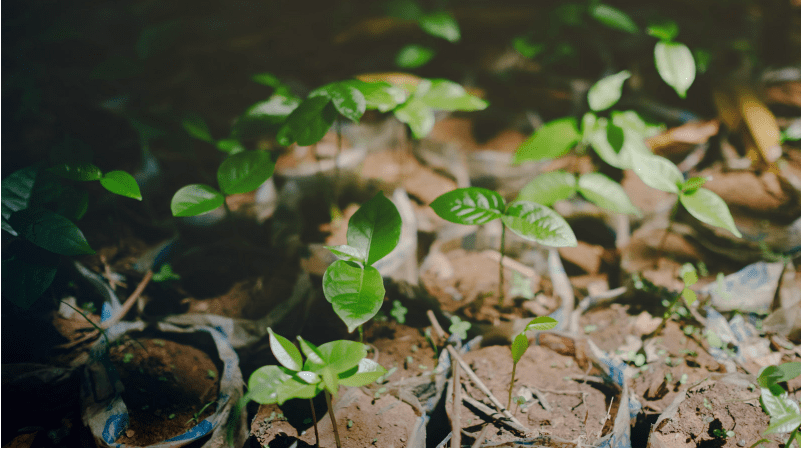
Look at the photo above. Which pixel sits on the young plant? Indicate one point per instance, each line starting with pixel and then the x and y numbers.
pixel 399 311
pixel 785 415
pixel 529 220
pixel 520 345
pixel 352 285
pixel 689 276
pixel 333 364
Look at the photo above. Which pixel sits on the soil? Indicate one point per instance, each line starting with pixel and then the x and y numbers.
pixel 167 384
pixel 571 407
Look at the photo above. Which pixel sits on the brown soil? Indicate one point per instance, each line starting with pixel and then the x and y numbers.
pixel 402 347
pixel 711 409
pixel 166 384
pixel 576 408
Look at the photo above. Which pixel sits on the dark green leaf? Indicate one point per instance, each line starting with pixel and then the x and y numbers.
pixel 675 65
pixel 538 223
pixel 441 24
pixel 552 140
pixel 469 206
pixel 367 371
pixel 542 323
pixel 375 228
pixel 195 199
pixel 27 274
pixel 607 91
pixel 121 183
pixel 413 56
pixel 264 117
pixel 446 95
pixel 403 9
pixel 356 293
pixel 345 97
pixel 309 122
pixel 548 188
pixel 709 208
pixel 16 191
pixel 77 171
pixel 244 172
pixel 50 231
pixel 614 18
pixel 417 115
pixel 519 347
pixel 230 146
pixel 276 384
pixel 607 194
pixel 286 353
pixel 665 30
pixel 197 128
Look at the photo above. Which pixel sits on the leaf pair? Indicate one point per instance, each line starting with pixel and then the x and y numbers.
pixel 520 343
pixel 352 285
pixel 333 364
pixel 239 173
pixel 117 181
pixel 529 220
pixel 785 415
pixel 551 187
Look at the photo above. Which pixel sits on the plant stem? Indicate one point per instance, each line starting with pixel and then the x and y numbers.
pixel 361 334
pixel 338 123
pixel 792 436
pixel 500 266
pixel 333 419
pixel 314 418
pixel 511 384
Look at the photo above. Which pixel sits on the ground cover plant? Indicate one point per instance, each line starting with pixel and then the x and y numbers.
pixel 674 285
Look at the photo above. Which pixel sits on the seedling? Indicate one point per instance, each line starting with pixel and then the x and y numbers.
pixel 529 220
pixel 399 311
pixel 459 327
pixel 165 273
pixel 723 433
pixel 785 415
pixel 333 364
pixel 196 417
pixel 520 345
pixel 351 284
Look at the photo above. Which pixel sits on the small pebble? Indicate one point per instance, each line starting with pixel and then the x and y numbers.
pixel 130 433
pixel 741 443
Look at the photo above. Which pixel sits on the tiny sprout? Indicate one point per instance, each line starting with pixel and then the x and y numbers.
pixel 520 345
pixel 350 424
pixel 127 358
pixel 212 374
pixel 459 327
pixel 399 311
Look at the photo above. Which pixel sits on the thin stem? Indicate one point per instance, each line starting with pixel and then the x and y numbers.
pixel 511 384
pixel 314 418
pixel 336 160
pixel 102 331
pixel 361 334
pixel 792 436
pixel 333 419
pixel 500 265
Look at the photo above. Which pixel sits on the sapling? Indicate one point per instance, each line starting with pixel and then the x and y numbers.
pixel 520 345
pixel 529 220
pixel 352 285
pixel 333 364
pixel 785 415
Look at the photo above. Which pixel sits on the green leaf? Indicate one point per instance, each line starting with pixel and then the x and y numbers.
pixel 789 370
pixel 375 228
pixel 709 208
pixel 658 172
pixel 606 193
pixel 441 24
pixel 630 121
pixel 27 274
pixel 771 375
pixel 309 122
pixel 614 18
pixel 784 412
pixel 50 231
pixel 381 95
pixel 417 115
pixel 309 377
pixel 607 140
pixel 274 82
pixel 195 199
pixel 607 91
pixel 314 359
pixel 548 188
pixel 244 172
pixel 665 30
pixel 527 48
pixel 552 140
pixel 712 338
pixel 542 323
pixel 459 327
pixel 345 97
pixel 519 347
pixel 286 353
pixel 121 183
pixel 356 293
pixel 276 384
pixel 263 117
pixel 77 171
pixel 469 206
pixel 197 128
pixel 330 380
pixel 230 146
pixel 16 191
pixel 688 274
pixel 693 184
pixel 675 65
pixel 446 95
pixel 367 371
pixel 347 253
pixel 413 56
pixel 341 356
pixel 538 223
